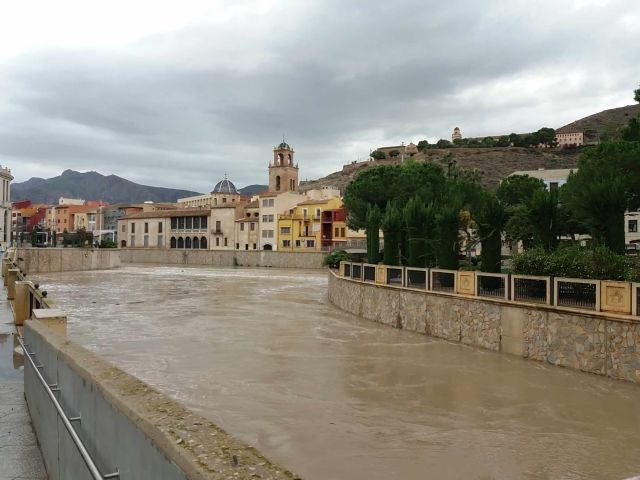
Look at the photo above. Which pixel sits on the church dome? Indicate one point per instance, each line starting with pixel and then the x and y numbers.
pixel 284 145
pixel 225 186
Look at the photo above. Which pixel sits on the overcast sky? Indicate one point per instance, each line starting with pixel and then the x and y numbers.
pixel 177 93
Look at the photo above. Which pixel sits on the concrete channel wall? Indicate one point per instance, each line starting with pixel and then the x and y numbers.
pixel 52 260
pixel 223 258
pixel 125 424
pixel 604 344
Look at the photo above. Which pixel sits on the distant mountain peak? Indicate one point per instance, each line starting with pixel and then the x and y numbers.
pixel 93 186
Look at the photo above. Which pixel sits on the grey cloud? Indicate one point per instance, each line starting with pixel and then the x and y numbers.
pixel 182 108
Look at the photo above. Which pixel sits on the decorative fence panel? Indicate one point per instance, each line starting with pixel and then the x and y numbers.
pixel 530 289
pixel 443 280
pixel 417 278
pixel 492 285
pixel 395 276
pixel 356 271
pixel 369 272
pixel 577 293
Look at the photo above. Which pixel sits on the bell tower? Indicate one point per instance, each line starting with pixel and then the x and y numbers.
pixel 283 172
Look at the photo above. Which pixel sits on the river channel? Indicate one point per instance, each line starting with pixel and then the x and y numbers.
pixel 262 353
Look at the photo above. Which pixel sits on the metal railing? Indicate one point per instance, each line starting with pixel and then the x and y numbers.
pixel 530 289
pixel 443 280
pixel 572 293
pixel 66 420
pixel 577 293
pixel 417 278
pixel 493 285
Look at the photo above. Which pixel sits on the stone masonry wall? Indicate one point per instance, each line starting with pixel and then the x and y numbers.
pixel 601 344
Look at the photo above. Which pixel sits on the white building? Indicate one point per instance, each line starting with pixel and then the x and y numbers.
pixel 552 178
pixel 5 206
pixel 70 201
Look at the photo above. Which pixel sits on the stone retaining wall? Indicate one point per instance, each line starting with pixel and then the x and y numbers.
pixel 597 343
pixel 51 260
pixel 125 424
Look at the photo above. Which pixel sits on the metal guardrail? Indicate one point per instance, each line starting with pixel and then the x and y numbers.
pixel 66 420
pixel 568 293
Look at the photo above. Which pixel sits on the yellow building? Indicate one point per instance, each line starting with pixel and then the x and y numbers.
pixel 301 229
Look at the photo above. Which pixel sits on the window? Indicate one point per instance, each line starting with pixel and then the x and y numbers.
pixel 633 226
pixel 254 246
pixel 285 231
pixel 553 185
pixel 124 227
pixel 224 200
pixel 343 232
pixel 267 218
pixel 225 241
pixel 305 213
pixel 203 223
pixel 159 227
pixel 188 223
pixel 133 241
pixel 242 226
pixel 196 223
pixel 237 246
pixel 146 227
pixel 253 226
pixel 246 246
pixel 267 234
pixel 218 226
pixel 317 213
pixel 174 242
pixel 180 223
pixel 267 202
pixel 145 241
pixel 160 241
pixel 174 223
pixel 133 228
pixel 278 182
pixel 297 243
pixel 286 243
pixel 336 232
pixel 311 243
pixel 217 241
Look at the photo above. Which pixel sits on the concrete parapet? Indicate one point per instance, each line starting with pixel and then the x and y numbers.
pixel 12 278
pixel 52 318
pixel 126 424
pixel 52 260
pixel 5 268
pixel 22 302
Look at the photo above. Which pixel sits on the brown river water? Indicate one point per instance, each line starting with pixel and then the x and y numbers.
pixel 263 353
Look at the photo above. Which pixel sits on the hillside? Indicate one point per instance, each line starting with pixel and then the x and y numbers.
pixel 92 186
pixel 493 164
pixel 597 124
pixel 253 189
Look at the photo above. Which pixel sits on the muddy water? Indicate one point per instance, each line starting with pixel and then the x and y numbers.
pixel 262 353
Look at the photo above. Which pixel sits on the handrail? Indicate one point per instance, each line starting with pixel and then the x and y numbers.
pixel 86 457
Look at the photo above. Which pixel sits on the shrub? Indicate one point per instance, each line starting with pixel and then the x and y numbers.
pixel 108 244
pixel 333 259
pixel 576 262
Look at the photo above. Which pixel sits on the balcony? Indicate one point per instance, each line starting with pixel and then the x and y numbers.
pixel 185 230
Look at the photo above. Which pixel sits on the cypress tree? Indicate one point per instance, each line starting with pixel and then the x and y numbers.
pixel 392 229
pixel 374 217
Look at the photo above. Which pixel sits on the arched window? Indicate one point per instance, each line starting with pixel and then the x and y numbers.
pixel 196 242
pixel 187 242
pixel 203 242
pixel 280 159
pixel 174 243
pixel 278 182
pixel 180 242
pixel 268 247
pixel 289 159
pixel 123 244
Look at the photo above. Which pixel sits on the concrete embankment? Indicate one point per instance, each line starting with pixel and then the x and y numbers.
pixel 51 260
pixel 224 258
pixel 126 425
pixel 603 344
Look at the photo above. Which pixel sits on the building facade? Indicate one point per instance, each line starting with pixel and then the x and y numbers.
pixel 5 206
pixel 302 228
pixel 569 139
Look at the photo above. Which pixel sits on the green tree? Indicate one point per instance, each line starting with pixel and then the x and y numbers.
pixel 394 153
pixel 378 155
pixel 518 189
pixel 374 219
pixel 546 136
pixel 392 231
pixel 423 145
pixel 631 133
pixel 416 219
pixel 448 236
pixel 636 95
pixel 544 215
pixel 442 143
pixel 490 220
